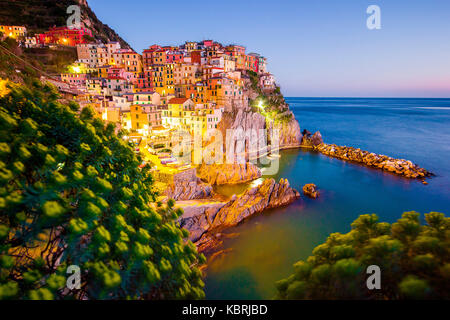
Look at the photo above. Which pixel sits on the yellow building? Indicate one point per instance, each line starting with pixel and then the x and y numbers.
pixel 13 31
pixel 163 78
pixel 139 119
pixel 178 113
pixel 126 120
pixel 111 114
pixel 103 71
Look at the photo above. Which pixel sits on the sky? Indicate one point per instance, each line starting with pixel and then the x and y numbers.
pixel 314 48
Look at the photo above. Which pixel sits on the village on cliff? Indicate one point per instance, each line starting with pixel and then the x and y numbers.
pixel 172 101
pixel 156 94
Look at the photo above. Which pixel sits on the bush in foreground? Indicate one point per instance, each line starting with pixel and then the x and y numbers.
pixel 414 260
pixel 71 193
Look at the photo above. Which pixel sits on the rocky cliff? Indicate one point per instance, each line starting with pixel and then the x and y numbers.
pixel 265 196
pixel 189 190
pixel 217 174
pixel 254 119
pixel 204 222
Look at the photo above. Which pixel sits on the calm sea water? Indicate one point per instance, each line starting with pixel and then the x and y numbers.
pixel 268 244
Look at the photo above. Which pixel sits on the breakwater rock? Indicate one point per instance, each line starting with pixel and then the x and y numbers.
pixel 217 174
pixel 401 167
pixel 206 221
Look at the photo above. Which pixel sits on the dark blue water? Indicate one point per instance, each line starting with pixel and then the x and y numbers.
pixel 268 245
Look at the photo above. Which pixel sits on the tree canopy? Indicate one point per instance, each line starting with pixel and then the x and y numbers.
pixel 414 261
pixel 71 193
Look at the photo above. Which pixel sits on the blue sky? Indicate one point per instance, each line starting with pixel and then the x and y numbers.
pixel 314 48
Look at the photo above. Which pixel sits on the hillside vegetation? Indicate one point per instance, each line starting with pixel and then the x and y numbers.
pixel 71 193
pixel 40 15
pixel 24 64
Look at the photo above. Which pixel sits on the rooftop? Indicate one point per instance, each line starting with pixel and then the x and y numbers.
pixel 178 100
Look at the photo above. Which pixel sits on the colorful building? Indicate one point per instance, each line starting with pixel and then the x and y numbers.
pixel 64 36
pixel 13 31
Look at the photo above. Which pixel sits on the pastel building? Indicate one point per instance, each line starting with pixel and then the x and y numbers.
pixel 78 79
pixel 178 112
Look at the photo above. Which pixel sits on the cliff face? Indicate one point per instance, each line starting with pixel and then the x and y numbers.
pixel 249 121
pixel 189 190
pixel 217 174
pixel 289 132
pixel 38 16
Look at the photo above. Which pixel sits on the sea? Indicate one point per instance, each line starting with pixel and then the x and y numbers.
pixel 264 247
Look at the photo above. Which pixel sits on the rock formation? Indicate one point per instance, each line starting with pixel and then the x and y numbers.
pixel 217 174
pixel 189 190
pixel 310 190
pixel 198 219
pixel 401 167
pixel 252 128
pixel 311 141
pixel 265 196
pixel 204 222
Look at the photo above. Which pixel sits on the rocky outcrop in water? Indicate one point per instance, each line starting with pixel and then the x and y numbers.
pixel 401 167
pixel 217 174
pixel 204 222
pixel 311 141
pixel 310 190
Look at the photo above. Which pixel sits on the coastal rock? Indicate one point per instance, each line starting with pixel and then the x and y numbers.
pixel 289 132
pixel 311 141
pixel 188 190
pixel 198 219
pixel 316 139
pixel 217 174
pixel 267 195
pixel 205 222
pixel 310 190
pixel 401 167
pixel 248 133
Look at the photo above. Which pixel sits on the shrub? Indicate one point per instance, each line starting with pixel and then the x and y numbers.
pixel 71 193
pixel 413 258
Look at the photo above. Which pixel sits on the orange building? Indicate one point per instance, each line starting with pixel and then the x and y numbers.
pixel 129 60
pixel 13 31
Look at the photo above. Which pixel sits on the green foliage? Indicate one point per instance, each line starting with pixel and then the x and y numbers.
pixel 71 193
pixel 28 63
pixel 414 260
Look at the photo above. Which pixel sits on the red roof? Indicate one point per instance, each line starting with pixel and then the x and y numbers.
pixel 178 100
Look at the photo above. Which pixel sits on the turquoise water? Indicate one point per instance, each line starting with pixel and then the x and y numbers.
pixel 268 244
